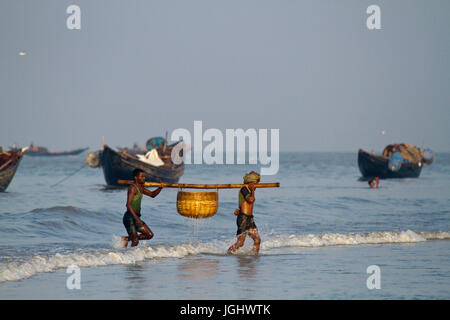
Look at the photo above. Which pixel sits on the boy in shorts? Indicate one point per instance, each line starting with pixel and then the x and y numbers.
pixel 132 218
pixel 245 222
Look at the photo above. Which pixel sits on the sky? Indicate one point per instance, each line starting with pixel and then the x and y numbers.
pixel 311 69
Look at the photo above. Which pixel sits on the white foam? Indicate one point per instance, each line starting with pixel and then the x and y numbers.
pixel 25 268
pixel 37 264
pixel 336 239
pixel 435 235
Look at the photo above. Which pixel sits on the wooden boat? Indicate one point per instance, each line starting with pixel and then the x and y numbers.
pixel 120 165
pixel 42 151
pixel 410 165
pixel 9 162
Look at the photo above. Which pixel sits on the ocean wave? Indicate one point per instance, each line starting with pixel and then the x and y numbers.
pixel 336 239
pixel 51 211
pixel 55 220
pixel 56 214
pixel 25 268
pixel 62 210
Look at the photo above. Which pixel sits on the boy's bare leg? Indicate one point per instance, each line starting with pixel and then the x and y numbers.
pixel 239 243
pixel 134 238
pixel 146 233
pixel 125 241
pixel 253 233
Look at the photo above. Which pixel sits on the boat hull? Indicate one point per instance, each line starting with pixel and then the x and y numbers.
pixel 377 166
pixel 119 166
pixel 7 175
pixel 55 154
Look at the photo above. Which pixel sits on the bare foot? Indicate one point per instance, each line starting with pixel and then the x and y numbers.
pixel 125 241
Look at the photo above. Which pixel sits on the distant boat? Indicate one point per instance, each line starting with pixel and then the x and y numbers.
pixel 120 165
pixel 42 151
pixel 150 144
pixel 9 162
pixel 397 161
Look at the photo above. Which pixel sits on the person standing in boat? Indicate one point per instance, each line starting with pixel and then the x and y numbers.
pixel 132 217
pixel 245 222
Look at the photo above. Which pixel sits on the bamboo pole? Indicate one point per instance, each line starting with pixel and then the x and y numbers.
pixel 200 186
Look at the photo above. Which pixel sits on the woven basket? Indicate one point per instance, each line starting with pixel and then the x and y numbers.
pixel 197 204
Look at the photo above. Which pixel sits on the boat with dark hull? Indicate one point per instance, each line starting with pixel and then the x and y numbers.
pixel 120 165
pixel 42 151
pixel 378 166
pixel 9 162
pixel 399 160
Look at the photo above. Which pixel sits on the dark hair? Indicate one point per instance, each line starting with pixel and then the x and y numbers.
pixel 136 172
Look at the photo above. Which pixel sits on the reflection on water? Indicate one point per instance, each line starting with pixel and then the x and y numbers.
pixel 199 276
pixel 248 267
pixel 199 269
pixel 137 280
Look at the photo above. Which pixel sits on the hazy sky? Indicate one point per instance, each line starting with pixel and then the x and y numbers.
pixel 309 68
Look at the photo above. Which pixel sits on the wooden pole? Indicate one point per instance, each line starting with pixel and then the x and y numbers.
pixel 201 186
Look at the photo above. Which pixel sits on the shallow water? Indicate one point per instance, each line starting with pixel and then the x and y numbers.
pixel 320 231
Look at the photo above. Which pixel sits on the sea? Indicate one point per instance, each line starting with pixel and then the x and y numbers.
pixel 325 235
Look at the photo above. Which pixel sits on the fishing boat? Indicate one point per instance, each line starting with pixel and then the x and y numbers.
pixel 43 151
pixel 396 161
pixel 9 162
pixel 120 165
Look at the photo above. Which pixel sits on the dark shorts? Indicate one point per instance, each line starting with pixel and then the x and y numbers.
pixel 244 223
pixel 130 223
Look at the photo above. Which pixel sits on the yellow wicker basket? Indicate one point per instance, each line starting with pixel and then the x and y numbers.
pixel 197 204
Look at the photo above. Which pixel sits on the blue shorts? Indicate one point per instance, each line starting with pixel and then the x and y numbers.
pixel 130 223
